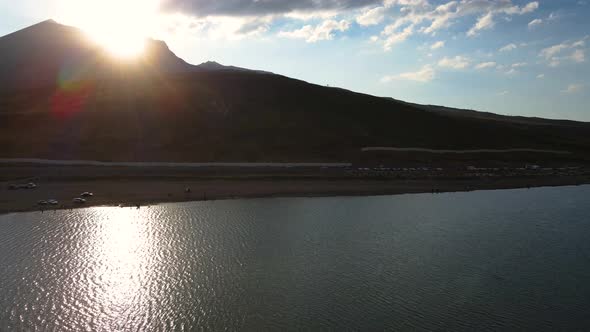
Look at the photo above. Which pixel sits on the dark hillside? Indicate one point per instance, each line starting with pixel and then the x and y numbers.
pixel 163 109
pixel 237 116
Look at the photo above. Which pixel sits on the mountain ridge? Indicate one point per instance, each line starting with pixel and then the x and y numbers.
pixel 488 115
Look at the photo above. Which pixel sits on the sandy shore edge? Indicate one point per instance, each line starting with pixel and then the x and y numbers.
pixel 142 192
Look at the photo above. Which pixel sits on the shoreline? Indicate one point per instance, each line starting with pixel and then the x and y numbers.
pixel 153 191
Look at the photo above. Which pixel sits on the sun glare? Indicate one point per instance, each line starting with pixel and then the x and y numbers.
pixel 121 45
pixel 120 26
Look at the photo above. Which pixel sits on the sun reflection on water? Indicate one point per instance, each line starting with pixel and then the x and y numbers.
pixel 122 249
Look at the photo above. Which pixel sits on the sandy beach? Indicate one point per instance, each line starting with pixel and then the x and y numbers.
pixel 126 187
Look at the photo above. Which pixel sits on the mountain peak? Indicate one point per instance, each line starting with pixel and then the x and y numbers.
pixel 211 65
pixel 157 45
pixel 47 24
pixel 48 47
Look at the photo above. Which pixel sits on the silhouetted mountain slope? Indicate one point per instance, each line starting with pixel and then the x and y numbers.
pixel 237 115
pixel 48 52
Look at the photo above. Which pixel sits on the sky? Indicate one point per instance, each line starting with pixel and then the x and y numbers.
pixel 504 56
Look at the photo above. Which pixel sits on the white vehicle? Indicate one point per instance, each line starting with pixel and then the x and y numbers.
pixel 31 185
pixel 53 202
pixel 42 202
pixel 79 200
pixel 86 194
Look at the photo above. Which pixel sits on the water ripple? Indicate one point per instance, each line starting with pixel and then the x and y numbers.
pixel 467 261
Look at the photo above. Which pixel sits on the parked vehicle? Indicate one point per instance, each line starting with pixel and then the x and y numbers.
pixel 29 185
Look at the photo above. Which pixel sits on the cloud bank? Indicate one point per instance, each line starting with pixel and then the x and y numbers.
pixel 201 8
pixel 400 19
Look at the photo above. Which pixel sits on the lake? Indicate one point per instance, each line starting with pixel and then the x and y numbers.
pixel 486 260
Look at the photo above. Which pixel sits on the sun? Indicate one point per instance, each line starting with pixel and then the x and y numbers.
pixel 121 27
pixel 124 45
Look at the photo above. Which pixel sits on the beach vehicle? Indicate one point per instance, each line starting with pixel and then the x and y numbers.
pixel 42 203
pixel 52 202
pixel 31 185
pixel 86 194
pixel 19 186
pixel 79 200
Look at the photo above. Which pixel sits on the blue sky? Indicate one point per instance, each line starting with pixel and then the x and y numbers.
pixel 504 56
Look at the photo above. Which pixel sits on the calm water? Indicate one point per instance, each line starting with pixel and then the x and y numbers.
pixel 517 259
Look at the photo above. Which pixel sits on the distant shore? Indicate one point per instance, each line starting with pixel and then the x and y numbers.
pixel 146 190
pixel 95 163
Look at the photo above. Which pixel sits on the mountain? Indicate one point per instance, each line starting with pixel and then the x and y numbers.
pixel 62 97
pixel 43 52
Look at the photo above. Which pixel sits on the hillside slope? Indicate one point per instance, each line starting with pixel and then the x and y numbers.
pixel 232 115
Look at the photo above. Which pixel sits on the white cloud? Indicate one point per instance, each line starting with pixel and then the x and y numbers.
pixel 541 76
pixel 553 17
pixel 458 62
pixel 503 93
pixel 313 15
pixel 251 8
pixel 539 21
pixel 214 28
pixel 573 88
pixel 485 65
pixel 553 54
pixel 550 52
pixel 508 47
pixel 372 16
pixel 395 38
pixel 421 16
pixel 554 50
pixel 235 19
pixel 554 62
pixel 486 21
pixel 511 71
pixel 578 56
pixel 437 45
pixel 323 31
pixel 579 43
pixel 415 3
pixel 530 7
pixel 425 74
pixel 483 23
pixel 534 23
